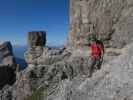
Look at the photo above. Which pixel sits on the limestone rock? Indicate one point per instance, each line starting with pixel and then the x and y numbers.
pixel 6 54
pixel 33 54
pixel 21 89
pixel 6 93
pixel 111 19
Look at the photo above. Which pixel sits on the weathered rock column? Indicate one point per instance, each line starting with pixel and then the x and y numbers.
pixel 36 42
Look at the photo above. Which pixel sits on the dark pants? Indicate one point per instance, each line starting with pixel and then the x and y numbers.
pixel 95 65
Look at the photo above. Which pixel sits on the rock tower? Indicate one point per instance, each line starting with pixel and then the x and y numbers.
pixel 36 42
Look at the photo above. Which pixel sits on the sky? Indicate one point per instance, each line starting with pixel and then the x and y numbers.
pixel 18 17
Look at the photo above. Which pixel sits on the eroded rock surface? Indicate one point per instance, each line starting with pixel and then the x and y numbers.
pixel 112 82
pixel 111 19
pixel 6 54
pixel 6 93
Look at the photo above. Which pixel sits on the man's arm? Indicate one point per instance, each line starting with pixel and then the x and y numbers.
pixel 102 50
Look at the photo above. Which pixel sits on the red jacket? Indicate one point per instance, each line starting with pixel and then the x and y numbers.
pixel 96 50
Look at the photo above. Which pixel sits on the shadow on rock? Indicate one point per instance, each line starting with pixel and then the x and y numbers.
pixel 7 76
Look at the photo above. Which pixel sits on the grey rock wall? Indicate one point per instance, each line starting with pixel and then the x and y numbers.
pixel 112 20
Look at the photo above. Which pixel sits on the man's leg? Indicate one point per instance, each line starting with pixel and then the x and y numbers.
pixel 98 63
pixel 93 62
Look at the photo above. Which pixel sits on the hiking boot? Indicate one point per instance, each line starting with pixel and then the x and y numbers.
pixel 89 75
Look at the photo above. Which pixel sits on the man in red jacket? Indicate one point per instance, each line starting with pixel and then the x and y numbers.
pixel 97 52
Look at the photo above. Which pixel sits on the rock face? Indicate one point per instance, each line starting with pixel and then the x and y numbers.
pixel 111 19
pixel 6 54
pixel 21 89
